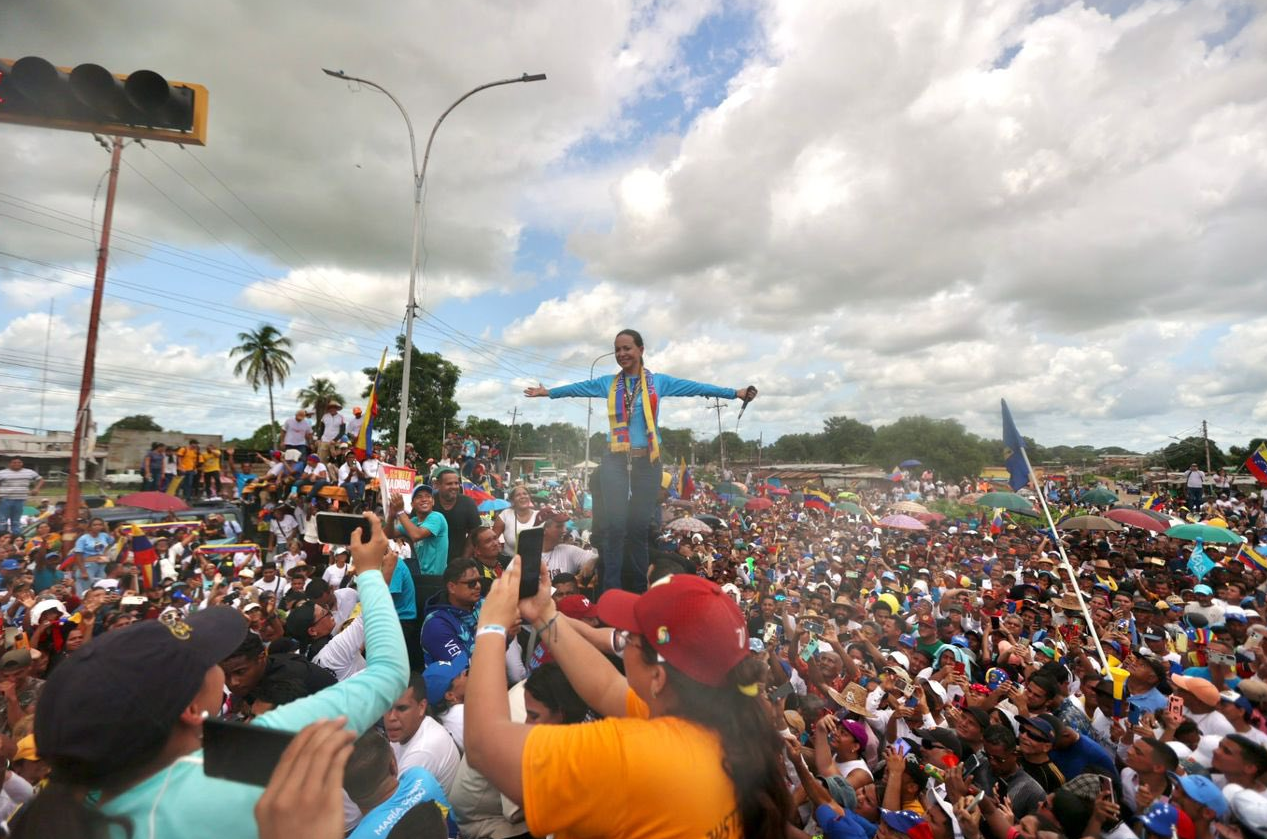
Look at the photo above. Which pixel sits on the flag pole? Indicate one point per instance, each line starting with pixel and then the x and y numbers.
pixel 1065 564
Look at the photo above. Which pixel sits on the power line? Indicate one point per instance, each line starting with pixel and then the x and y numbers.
pixel 449 331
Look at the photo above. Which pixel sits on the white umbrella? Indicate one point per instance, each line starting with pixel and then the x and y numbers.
pixel 686 524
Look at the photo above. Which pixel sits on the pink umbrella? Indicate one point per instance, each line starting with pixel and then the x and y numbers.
pixel 1136 518
pixel 159 502
pixel 901 522
pixel 758 503
pixel 771 490
pixel 930 518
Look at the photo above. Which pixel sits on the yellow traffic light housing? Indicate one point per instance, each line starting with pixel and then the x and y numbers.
pixel 90 98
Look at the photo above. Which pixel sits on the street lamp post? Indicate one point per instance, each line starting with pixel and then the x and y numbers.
pixel 419 176
pixel 589 414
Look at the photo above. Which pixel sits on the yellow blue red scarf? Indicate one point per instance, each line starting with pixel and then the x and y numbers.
pixel 619 406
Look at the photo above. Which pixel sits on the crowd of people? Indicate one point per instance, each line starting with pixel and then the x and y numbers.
pixel 696 665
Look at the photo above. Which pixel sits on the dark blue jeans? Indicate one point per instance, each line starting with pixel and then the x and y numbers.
pixel 629 502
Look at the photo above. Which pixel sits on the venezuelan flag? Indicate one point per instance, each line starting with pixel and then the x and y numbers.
pixel 996 523
pixel 1256 464
pixel 364 445
pixel 1155 502
pixel 145 557
pixel 817 500
pixel 1251 558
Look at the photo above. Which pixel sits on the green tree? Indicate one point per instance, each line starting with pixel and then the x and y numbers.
pixel 797 448
pixel 263 359
pixel 1182 454
pixel 486 429
pixel 675 444
pixel 942 445
pixel 433 382
pixel 135 422
pixel 319 393
pixel 847 440
pixel 1237 455
pixel 264 439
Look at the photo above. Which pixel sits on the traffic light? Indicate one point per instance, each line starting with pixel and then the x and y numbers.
pixel 91 98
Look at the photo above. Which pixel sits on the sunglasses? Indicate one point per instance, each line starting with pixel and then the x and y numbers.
pixel 469 583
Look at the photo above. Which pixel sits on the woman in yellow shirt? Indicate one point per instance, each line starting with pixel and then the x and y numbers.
pixel 686 747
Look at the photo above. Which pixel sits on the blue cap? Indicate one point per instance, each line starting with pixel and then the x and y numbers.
pixel 1201 790
pixel 907 640
pixel 903 821
pixel 960 641
pixel 1203 589
pixel 10 565
pixel 1239 617
pixel 756 645
pixel 422 488
pixel 1040 726
pixel 439 675
pixel 1161 818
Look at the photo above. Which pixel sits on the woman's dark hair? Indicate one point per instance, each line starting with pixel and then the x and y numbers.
pixel 59 812
pixel 551 688
pixel 632 333
pixel 752 752
pixel 278 692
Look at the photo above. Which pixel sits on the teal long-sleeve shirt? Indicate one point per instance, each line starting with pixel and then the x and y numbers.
pixel 180 802
pixel 665 386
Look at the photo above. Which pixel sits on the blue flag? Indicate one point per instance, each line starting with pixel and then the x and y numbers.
pixel 1013 448
pixel 1200 564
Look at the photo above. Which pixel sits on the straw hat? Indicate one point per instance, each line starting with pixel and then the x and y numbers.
pixel 854 700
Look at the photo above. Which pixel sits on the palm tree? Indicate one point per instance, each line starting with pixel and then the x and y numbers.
pixel 319 393
pixel 265 360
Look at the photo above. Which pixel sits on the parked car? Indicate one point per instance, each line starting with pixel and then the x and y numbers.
pixel 124 478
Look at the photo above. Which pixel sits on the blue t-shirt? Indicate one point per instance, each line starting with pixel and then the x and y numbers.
pixel 415 787
pixel 89 545
pixel 1204 673
pixel 432 553
pixel 1083 753
pixel 402 589
pixel 1151 700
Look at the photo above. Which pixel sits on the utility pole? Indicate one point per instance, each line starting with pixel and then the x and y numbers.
pixel 48 337
pixel 74 493
pixel 721 441
pixel 514 415
pixel 760 445
pixel 1205 435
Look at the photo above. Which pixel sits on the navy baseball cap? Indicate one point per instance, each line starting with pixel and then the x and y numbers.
pixel 439 676
pixel 1038 728
pixel 907 822
pixel 119 695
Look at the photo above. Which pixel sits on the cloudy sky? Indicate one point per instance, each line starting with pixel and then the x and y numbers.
pixel 865 207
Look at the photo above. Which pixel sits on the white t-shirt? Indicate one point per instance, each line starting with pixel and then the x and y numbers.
pixel 277 587
pixel 334 574
pixel 295 432
pixel 286 561
pixel 370 467
pixel 433 749
pixel 1195 478
pixel 354 426
pixel 330 426
pixel 454 722
pixel 566 559
pixel 345 600
pixel 317 471
pixel 511 525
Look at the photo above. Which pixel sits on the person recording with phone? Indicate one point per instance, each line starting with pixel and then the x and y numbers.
pixel 121 721
pixel 629 476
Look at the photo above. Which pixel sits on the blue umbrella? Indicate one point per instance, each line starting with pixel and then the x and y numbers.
pixel 908 463
pixel 494 505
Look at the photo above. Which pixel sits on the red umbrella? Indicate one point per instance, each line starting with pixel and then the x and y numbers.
pixel 159 502
pixel 773 490
pixel 1136 518
pixel 758 504
pixel 930 518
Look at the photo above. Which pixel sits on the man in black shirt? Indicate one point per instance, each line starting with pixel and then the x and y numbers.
pixel 459 511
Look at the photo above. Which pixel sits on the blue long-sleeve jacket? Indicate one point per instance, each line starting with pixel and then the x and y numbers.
pixel 665 386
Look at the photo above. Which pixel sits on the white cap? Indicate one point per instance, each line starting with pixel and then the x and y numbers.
pixel 108 585
pixel 38 610
pixel 901 658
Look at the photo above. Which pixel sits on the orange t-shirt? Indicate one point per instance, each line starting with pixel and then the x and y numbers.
pixel 628 777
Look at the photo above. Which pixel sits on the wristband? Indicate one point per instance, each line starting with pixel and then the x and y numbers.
pixel 491 629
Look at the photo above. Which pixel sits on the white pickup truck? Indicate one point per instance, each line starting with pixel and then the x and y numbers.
pixel 129 476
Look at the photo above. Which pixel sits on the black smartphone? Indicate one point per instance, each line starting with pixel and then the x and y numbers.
pixel 812 626
pixel 780 692
pixel 994 622
pixel 529 549
pixel 240 752
pixel 336 528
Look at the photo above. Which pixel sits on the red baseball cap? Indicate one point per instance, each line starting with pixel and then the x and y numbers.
pixel 689 621
pixel 577 606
